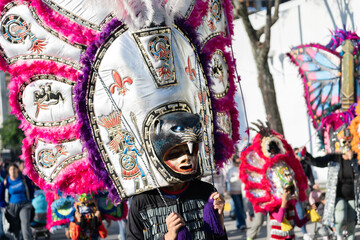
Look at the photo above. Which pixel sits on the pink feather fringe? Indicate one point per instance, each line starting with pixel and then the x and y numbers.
pixel 77 177
pixel 269 202
pixel 21 73
pixel 196 16
pixel 229 16
pixel 71 179
pixel 226 104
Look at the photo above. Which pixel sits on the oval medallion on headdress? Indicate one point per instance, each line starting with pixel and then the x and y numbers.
pixel 219 74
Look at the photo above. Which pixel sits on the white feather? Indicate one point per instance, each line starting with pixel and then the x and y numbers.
pixel 138 14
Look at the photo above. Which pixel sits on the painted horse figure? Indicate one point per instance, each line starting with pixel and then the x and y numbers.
pixel 44 98
pixel 47 158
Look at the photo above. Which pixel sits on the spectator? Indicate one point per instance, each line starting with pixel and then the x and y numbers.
pixel 2 234
pixel 309 174
pixel 19 195
pixel 317 201
pixel 234 185
pixel 314 197
pixel 341 190
pixel 257 220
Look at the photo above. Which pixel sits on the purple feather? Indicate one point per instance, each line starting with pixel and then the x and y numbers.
pixel 81 109
pixel 184 234
pixel 212 223
pixel 341 35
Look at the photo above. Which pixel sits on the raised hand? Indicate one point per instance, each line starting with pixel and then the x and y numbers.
pixel 173 222
pixel 219 204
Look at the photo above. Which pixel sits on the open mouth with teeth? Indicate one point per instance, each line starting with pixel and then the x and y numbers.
pixel 182 158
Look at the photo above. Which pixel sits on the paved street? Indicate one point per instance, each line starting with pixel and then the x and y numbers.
pixel 232 232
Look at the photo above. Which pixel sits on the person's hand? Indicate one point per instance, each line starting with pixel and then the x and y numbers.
pixel 77 216
pixel 250 218
pixel 173 222
pixel 97 214
pixel 219 204
pixel 67 233
pixel 285 198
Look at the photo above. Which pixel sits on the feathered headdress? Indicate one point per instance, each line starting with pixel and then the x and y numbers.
pixel 268 166
pixel 92 78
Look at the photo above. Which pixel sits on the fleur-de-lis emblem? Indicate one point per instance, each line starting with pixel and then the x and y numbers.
pixel 120 83
pixel 202 99
pixel 190 70
pixel 211 25
pixel 202 96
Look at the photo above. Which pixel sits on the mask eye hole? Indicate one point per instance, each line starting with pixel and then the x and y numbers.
pixel 177 129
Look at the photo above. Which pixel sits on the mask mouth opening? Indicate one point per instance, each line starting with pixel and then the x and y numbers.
pixel 182 158
pixel 290 189
pixel 273 148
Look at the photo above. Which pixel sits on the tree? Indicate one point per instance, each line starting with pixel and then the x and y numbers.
pixel 11 135
pixel 260 50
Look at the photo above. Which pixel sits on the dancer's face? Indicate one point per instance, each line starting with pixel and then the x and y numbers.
pixel 348 155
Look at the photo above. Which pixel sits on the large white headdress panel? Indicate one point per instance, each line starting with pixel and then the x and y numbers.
pixel 147 74
pixel 26 36
pixel 44 64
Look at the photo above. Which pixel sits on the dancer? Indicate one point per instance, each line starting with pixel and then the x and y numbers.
pixel 162 213
pixel 310 177
pixel 87 223
pixel 341 192
pixel 274 180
